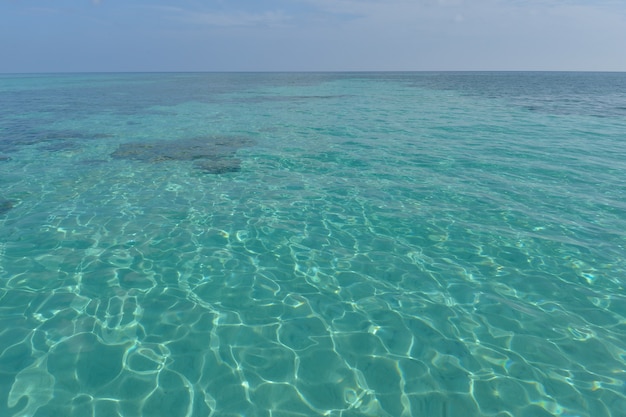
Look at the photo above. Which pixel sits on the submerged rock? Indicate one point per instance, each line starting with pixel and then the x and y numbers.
pixel 218 165
pixel 214 155
pixel 4 158
pixel 5 206
pixel 19 135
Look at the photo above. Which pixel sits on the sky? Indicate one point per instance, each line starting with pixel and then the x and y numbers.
pixel 311 35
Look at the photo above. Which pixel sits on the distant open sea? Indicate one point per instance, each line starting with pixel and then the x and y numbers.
pixel 313 244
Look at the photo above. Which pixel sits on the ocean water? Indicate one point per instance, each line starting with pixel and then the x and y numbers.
pixel 290 245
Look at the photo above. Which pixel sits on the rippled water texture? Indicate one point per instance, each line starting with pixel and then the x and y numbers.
pixel 420 244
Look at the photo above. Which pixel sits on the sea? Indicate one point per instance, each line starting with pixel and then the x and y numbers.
pixel 419 244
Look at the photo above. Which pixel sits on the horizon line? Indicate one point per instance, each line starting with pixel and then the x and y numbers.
pixel 303 71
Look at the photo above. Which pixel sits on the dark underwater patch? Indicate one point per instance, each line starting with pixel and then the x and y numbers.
pixel 5 206
pixel 213 155
pixel 19 136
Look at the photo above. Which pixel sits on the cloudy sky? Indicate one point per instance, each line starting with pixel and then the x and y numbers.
pixel 311 35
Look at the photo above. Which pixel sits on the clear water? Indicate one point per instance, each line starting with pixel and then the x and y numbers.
pixel 419 244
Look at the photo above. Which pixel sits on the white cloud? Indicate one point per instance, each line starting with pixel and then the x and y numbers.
pixel 268 18
pixel 224 18
pixel 387 13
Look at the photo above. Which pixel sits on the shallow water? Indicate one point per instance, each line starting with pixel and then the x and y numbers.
pixel 392 244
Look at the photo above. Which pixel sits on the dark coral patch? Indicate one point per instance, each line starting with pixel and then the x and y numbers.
pixel 51 140
pixel 218 165
pixel 5 206
pixel 213 155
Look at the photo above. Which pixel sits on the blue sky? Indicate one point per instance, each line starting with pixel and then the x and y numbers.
pixel 311 35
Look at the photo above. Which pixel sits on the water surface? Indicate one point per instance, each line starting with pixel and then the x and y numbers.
pixel 355 244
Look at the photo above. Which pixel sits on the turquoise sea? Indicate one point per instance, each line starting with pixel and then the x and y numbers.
pixel 313 244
